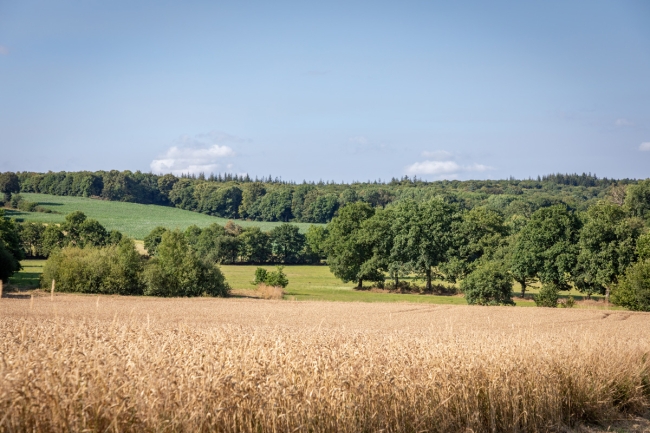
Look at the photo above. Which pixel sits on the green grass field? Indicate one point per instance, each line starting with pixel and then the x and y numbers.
pixel 132 219
pixel 315 283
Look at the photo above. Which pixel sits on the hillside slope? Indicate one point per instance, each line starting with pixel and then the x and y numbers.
pixel 132 219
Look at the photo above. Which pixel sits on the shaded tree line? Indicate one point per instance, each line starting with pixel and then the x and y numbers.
pixel 603 250
pixel 232 244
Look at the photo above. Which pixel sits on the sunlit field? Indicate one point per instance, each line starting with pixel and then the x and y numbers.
pixel 132 219
pixel 89 363
pixel 312 283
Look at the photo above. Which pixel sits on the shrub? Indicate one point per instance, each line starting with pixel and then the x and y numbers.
pixel 177 271
pixel 276 278
pixel 633 291
pixel 116 269
pixel 27 206
pixel 260 276
pixel 488 284
pixel 548 296
pixel 567 303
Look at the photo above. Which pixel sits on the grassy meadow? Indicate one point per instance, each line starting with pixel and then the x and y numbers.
pixel 132 219
pixel 133 364
pixel 312 283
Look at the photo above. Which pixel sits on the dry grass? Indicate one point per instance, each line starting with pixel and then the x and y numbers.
pixel 133 364
pixel 269 292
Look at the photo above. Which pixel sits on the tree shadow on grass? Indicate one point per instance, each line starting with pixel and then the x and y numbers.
pixel 47 203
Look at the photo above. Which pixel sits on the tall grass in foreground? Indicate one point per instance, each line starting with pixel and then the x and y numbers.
pixel 71 372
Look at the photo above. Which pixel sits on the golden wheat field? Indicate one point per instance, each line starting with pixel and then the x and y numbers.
pixel 84 363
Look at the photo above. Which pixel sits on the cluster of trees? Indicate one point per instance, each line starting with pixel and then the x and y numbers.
pixel 595 251
pixel 232 196
pixel 39 240
pixel 85 257
pixel 233 244
pixel 176 270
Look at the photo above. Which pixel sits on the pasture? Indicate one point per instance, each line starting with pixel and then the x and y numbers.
pixel 132 219
pixel 89 363
pixel 313 283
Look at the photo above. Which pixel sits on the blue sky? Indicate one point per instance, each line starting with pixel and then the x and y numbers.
pixel 327 90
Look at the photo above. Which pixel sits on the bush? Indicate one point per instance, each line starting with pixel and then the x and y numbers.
pixel 276 279
pixel 260 276
pixel 567 303
pixel 633 291
pixel 489 284
pixel 116 269
pixel 548 296
pixel 177 271
pixel 27 206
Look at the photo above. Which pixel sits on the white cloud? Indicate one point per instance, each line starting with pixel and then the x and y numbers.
pixel 438 155
pixel 623 122
pixel 445 169
pixel 645 147
pixel 4 50
pixel 433 167
pixel 202 153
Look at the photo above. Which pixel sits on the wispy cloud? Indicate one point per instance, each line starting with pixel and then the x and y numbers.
pixel 645 147
pixel 202 153
pixel 4 50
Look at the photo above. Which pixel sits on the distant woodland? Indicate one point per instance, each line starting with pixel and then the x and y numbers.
pixel 267 199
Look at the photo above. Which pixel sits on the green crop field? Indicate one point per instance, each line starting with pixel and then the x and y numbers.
pixel 132 219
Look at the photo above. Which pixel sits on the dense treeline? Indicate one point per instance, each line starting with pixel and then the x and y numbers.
pixel 603 250
pixel 232 196
pixel 231 244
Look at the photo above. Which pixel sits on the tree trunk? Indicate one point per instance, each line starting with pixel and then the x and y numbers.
pixel 396 279
pixel 607 294
pixel 523 289
pixel 429 280
pixel 360 286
